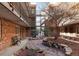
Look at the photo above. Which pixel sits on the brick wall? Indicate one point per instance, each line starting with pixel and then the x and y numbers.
pixel 23 32
pixel 28 32
pixel 8 31
pixel 0 28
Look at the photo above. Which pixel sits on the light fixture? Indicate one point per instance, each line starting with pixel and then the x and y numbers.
pixel 54 3
pixel 33 3
pixel 43 13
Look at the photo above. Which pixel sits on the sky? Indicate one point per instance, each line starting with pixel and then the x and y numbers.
pixel 39 7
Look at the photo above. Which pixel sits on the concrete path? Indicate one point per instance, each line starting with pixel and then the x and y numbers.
pixel 34 44
pixel 37 44
pixel 11 50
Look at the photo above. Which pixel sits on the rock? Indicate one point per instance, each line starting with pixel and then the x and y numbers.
pixel 67 49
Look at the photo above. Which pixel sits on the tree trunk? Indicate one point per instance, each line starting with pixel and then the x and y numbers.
pixel 56 31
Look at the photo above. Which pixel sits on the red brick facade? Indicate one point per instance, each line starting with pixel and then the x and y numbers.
pixel 9 29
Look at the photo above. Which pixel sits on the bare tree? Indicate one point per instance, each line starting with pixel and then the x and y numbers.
pixel 56 15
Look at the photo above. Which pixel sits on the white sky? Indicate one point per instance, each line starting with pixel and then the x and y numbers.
pixel 40 6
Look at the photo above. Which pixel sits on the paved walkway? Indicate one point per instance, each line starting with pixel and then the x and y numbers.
pixel 37 44
pixel 34 44
pixel 11 50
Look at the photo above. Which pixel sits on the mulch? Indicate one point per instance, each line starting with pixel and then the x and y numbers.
pixel 29 52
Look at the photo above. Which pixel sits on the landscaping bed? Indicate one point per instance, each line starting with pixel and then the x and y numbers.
pixel 64 48
pixel 29 52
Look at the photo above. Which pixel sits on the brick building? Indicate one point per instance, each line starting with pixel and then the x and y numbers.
pixel 15 20
pixel 68 27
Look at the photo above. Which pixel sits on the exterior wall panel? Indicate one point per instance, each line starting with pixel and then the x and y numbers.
pixel 10 30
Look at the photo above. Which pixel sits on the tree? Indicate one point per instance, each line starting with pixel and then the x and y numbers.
pixel 56 15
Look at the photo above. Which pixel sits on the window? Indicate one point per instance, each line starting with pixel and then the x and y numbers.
pixel 17 29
